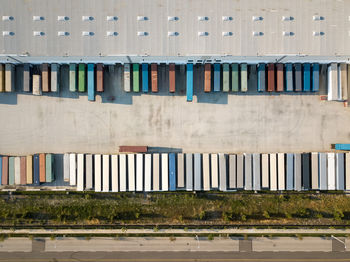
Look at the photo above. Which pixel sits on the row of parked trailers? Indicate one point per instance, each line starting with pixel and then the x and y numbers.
pixel 197 172
pixel 224 77
pixel 27 170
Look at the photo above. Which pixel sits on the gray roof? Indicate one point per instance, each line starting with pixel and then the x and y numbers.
pixel 253 28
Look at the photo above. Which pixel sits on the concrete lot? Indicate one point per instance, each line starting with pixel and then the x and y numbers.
pixel 307 244
pixel 141 244
pixel 19 244
pixel 215 122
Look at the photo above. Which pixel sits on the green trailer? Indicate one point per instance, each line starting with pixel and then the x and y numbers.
pixel 11 170
pixel 235 84
pixel 225 77
pixel 49 168
pixel 81 78
pixel 136 77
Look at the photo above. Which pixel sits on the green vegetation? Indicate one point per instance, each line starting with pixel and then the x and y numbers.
pixel 181 208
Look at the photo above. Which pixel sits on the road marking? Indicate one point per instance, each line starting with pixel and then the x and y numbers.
pixel 181 259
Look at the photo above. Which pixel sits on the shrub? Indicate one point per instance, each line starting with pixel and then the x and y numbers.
pixel 210 237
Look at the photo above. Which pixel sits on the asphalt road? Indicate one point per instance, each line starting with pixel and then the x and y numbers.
pixel 176 256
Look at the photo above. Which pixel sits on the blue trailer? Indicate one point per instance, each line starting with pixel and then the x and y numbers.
pixel 91 82
pixel 289 77
pixel 172 172
pixel 345 147
pixel 189 82
pixel 261 77
pixel 290 172
pixel 145 78
pixel 36 170
pixel 307 78
pixel 216 77
pixel 315 77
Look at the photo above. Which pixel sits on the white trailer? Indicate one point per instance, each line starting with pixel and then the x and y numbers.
pixel 139 172
pixel 115 173
pixel 347 170
pixel 165 173
pixel 66 170
pixel 17 170
pixel 281 171
pixel 98 175
pixel 180 171
pixel 72 170
pixel 214 171
pixel 314 171
pixel 240 171
pixel 105 173
pixel 80 172
pixel 122 163
pixel 331 170
pixel 273 172
pixel 127 77
pixel 156 185
pixel 223 172
pixel 265 171
pixel 148 172
pixel 206 172
pixel 131 172
pixel 232 172
pixel 88 172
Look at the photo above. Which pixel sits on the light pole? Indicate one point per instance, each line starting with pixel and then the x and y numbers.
pixel 197 241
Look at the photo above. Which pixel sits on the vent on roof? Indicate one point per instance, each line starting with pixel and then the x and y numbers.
pixel 38 33
pixel 199 61
pixel 142 33
pixel 7 18
pixel 203 18
pixel 87 33
pixel 287 18
pixel 203 33
pixel 227 33
pixel 258 33
pixel 7 33
pixel 173 18
pixel 111 18
pixel 315 33
pixel 285 33
pixel 257 18
pixel 142 18
pixel 38 18
pixel 227 18
pixel 111 33
pixel 190 60
pixel 87 18
pixel 62 33
pixel 317 18
pixel 173 33
pixel 62 18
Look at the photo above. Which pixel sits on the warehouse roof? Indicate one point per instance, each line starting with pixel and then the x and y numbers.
pixel 175 28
